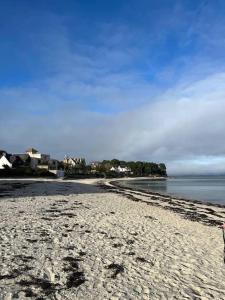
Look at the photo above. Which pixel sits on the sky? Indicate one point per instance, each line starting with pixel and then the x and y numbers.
pixel 126 79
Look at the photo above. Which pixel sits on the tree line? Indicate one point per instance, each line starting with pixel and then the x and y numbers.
pixel 137 168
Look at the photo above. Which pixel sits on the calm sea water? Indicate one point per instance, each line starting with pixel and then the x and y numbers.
pixel 204 188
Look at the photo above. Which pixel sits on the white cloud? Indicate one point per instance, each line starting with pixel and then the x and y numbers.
pixel 180 127
pixel 94 101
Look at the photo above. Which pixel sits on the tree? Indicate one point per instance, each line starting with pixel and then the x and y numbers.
pixel 162 168
pixel 115 163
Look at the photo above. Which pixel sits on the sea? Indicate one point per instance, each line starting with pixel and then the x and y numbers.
pixel 204 188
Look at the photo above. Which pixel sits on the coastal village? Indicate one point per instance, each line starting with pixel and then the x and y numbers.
pixel 35 162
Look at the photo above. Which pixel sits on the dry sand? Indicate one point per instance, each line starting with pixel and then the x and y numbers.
pixel 75 240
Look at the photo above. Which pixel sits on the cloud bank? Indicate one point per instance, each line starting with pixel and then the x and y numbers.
pixel 183 127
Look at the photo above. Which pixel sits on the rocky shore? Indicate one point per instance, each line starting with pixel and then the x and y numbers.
pixel 87 240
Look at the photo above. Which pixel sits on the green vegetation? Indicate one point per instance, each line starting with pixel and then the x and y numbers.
pixel 79 169
pixel 137 168
pixel 140 168
pixel 130 168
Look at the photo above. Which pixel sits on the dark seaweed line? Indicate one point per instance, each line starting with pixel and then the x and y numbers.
pixel 116 183
pixel 186 214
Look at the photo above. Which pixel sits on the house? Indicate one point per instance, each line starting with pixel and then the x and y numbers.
pixel 37 159
pixel 120 169
pixel 2 152
pixel 114 169
pixel 12 160
pixel 5 160
pixel 95 164
pixel 23 156
pixel 71 162
pixel 74 165
pixel 32 158
pixel 19 160
pixel 124 169
pixel 42 161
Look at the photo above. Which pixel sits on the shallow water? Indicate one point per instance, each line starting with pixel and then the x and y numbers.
pixel 204 188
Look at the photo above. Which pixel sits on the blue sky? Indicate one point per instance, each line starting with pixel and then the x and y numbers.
pixel 139 80
pixel 142 37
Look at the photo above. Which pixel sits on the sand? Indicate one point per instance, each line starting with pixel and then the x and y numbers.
pixel 76 240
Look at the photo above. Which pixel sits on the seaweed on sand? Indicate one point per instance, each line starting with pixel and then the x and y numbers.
pixel 141 259
pixel 116 268
pixel 130 242
pixel 72 261
pixel 151 218
pixel 75 277
pixel 13 275
pixel 117 245
pixel 24 258
pixel 46 286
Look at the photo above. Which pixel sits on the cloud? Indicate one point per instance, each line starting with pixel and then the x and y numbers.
pixel 180 127
pixel 119 95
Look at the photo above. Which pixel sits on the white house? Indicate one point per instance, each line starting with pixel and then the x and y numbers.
pixel 35 154
pixel 124 169
pixel 37 158
pixel 74 161
pixel 121 169
pixel 114 169
pixel 31 158
pixel 4 161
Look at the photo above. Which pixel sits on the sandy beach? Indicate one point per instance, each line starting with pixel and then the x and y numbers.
pixel 88 240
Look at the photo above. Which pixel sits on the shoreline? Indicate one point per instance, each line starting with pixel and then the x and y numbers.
pixel 194 210
pixel 151 192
